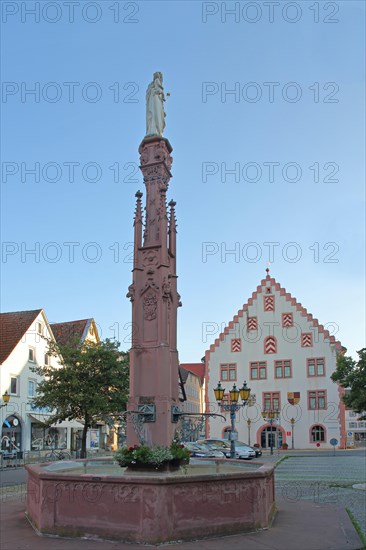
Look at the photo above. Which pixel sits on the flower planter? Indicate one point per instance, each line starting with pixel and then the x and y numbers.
pixel 167 466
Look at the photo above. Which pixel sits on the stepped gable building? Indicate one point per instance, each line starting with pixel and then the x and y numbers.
pixel 287 357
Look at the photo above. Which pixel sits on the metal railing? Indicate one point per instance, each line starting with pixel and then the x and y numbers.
pixel 21 458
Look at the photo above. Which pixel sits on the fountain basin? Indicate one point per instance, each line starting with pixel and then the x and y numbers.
pixel 97 498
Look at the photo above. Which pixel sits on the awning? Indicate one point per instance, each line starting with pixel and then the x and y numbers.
pixel 40 418
pixel 70 424
pixel 43 419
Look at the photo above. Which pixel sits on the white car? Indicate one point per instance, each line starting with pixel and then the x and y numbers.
pixel 242 451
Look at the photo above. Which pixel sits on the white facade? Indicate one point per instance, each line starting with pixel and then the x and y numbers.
pixel 279 349
pixel 21 383
pixel 23 425
pixel 355 429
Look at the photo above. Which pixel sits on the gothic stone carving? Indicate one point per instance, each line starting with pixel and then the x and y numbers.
pixel 150 306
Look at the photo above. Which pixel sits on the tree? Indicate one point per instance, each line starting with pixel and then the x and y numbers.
pixel 352 374
pixel 90 384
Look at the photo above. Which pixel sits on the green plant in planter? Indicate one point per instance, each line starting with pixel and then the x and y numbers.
pixel 140 455
pixel 179 451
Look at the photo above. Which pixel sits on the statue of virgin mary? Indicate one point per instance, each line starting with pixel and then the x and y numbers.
pixel 155 115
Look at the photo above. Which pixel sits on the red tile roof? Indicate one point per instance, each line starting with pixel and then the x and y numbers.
pixel 13 326
pixel 70 332
pixel 197 368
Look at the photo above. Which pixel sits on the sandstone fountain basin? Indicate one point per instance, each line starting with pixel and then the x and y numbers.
pixel 98 499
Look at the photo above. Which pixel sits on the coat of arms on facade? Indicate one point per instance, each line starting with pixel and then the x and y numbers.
pixel 150 306
pixel 293 397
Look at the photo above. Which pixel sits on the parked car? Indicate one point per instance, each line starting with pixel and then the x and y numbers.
pixel 242 450
pixel 202 451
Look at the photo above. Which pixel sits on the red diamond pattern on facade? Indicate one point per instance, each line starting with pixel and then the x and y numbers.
pixel 236 344
pixel 270 345
pixel 306 340
pixel 287 320
pixel 269 303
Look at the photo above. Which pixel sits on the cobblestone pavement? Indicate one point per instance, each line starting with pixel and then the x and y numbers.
pixel 325 480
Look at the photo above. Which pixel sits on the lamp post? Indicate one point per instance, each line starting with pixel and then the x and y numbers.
pixel 271 416
pixel 6 398
pixel 292 432
pixel 233 407
pixel 249 423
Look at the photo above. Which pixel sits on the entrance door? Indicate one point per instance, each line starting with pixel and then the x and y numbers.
pixel 267 436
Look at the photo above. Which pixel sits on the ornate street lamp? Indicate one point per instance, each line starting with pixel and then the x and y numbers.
pixel 233 407
pixel 271 416
pixel 292 432
pixel 6 398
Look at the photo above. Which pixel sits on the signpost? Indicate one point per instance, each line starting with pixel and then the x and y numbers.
pixel 334 443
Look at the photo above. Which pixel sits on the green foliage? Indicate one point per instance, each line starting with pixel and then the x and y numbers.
pixel 179 451
pixel 351 375
pixel 142 454
pixel 91 383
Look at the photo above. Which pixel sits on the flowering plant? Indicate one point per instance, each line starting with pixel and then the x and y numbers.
pixel 154 456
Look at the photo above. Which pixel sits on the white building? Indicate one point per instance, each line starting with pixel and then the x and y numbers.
pixel 23 345
pixel 355 429
pixel 287 358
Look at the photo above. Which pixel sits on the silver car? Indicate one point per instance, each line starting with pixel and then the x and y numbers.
pixel 242 450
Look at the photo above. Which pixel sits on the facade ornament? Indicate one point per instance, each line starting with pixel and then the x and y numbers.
pixel 150 306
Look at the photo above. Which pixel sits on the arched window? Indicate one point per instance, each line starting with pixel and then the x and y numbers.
pixel 270 345
pixel 317 434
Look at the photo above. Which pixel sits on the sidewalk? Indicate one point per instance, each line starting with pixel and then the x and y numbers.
pixel 298 526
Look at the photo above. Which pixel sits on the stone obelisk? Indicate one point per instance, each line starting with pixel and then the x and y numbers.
pixel 153 292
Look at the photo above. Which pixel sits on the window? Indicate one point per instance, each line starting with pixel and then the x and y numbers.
pixel 316 366
pixel 31 354
pixel 283 369
pixel 14 385
pixel 258 370
pixel 46 359
pixel 271 401
pixel 317 400
pixel 39 328
pixel 317 434
pixel 352 414
pixel 31 388
pixel 352 425
pixel 362 424
pixel 287 320
pixel 228 372
pixel 225 401
pixel 270 344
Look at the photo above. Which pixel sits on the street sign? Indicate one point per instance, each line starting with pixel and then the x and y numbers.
pixel 334 442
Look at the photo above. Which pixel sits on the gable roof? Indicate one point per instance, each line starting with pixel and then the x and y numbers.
pixel 195 368
pixel 13 326
pixel 71 331
pixel 283 292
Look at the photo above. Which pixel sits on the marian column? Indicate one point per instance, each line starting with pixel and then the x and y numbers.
pixel 153 292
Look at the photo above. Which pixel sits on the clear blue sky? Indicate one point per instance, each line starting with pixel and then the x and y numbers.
pixel 312 115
